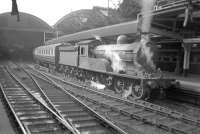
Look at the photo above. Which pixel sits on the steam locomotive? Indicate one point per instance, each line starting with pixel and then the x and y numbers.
pixel 121 67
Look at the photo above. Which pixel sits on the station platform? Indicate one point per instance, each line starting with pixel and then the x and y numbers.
pixel 190 83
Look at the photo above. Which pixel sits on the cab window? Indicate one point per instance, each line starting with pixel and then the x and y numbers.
pixel 82 51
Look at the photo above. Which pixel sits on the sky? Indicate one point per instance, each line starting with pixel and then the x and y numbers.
pixel 52 10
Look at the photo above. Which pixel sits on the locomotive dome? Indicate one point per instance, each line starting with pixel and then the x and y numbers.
pixel 122 39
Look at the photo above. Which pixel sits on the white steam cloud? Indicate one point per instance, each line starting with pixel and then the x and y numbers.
pixel 116 62
pixel 98 86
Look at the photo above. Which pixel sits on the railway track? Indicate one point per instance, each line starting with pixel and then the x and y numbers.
pixel 31 115
pixel 186 108
pixel 79 116
pixel 183 95
pixel 140 115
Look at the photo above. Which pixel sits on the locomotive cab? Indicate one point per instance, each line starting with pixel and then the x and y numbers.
pixel 86 48
pixel 88 59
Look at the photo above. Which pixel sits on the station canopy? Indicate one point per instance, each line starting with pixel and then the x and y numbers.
pixel 27 22
pixel 179 16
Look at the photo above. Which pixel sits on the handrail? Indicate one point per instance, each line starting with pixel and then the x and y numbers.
pixel 169 3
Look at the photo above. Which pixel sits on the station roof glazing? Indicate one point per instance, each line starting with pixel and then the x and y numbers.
pixel 27 22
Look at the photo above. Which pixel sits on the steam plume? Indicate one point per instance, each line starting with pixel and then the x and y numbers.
pixel 144 54
pixel 147 8
pixel 98 86
pixel 116 62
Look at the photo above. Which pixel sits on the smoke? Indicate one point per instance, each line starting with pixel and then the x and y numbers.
pixel 147 8
pixel 144 53
pixel 116 62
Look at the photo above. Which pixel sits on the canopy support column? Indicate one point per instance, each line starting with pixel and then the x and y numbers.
pixel 186 62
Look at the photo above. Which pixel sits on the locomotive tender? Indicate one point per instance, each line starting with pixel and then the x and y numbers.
pixel 114 65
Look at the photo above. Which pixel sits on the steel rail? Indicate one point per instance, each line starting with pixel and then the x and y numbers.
pixel 21 126
pixel 109 123
pixel 47 99
pixel 148 106
pixel 57 117
pixel 145 104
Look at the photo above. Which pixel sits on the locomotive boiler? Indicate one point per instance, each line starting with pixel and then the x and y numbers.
pixel 122 67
